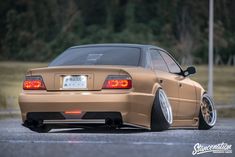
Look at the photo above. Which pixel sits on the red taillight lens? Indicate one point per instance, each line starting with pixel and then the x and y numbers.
pixel 33 83
pixel 118 82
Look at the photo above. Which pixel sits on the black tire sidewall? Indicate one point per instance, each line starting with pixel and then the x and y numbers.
pixel 158 120
pixel 202 123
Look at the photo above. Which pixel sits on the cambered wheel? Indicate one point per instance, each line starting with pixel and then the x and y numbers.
pixel 208 114
pixel 161 116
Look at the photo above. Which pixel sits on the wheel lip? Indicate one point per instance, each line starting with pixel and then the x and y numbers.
pixel 214 112
pixel 168 107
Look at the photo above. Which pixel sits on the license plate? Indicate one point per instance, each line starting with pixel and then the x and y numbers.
pixel 75 82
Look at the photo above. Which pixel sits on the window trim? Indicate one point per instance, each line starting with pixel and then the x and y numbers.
pixel 139 64
pixel 150 59
pixel 167 53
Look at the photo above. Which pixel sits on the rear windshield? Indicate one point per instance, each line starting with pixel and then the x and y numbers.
pixel 110 55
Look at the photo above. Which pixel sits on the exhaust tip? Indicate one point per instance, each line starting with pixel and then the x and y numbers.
pixel 115 123
pixel 118 122
pixel 109 122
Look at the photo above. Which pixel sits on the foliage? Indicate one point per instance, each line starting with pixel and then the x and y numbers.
pixel 40 30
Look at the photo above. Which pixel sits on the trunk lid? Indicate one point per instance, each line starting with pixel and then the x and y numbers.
pixel 55 77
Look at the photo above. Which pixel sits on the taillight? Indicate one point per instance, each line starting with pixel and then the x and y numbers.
pixel 33 83
pixel 117 82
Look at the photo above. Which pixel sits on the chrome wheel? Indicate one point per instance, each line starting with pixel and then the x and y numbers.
pixel 165 106
pixel 208 110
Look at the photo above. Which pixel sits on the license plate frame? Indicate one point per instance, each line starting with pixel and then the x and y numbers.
pixel 74 82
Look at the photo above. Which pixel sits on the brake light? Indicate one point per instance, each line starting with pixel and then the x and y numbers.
pixel 73 112
pixel 117 82
pixel 33 83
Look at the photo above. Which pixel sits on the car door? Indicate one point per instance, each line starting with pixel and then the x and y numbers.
pixel 187 92
pixel 168 81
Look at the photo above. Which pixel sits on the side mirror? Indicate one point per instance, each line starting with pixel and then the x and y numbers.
pixel 189 71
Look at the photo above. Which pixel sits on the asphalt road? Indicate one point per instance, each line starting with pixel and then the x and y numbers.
pixel 16 140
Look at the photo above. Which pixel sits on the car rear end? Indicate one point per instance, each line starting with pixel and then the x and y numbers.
pixel 77 93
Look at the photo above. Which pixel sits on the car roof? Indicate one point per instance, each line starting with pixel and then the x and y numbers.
pixel 143 46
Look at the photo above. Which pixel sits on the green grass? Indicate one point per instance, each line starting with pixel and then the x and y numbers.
pixel 226 113
pixel 224 83
pixel 12 75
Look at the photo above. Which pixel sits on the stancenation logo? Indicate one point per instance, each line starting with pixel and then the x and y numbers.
pixel 217 148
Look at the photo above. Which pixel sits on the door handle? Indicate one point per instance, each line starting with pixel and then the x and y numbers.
pixel 180 84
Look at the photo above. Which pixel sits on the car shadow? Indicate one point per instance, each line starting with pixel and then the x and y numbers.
pixel 109 130
pixel 100 130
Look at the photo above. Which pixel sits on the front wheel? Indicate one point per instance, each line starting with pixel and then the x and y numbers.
pixel 161 116
pixel 208 114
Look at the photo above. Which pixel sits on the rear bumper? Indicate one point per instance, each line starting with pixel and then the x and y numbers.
pixel 135 108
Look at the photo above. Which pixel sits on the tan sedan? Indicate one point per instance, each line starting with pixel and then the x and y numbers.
pixel 114 85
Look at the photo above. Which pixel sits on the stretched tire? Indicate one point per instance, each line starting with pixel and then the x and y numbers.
pixel 161 115
pixel 208 114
